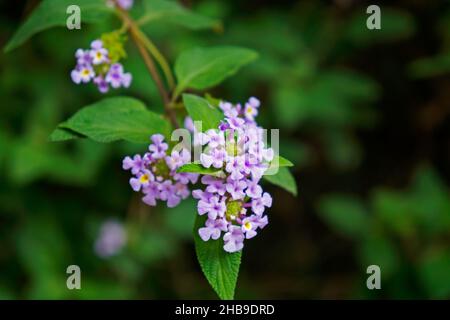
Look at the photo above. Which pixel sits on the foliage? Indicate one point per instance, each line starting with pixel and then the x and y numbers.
pixel 355 126
pixel 387 231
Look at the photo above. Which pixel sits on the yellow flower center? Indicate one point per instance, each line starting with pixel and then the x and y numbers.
pixel 85 72
pixel 247 225
pixel 144 178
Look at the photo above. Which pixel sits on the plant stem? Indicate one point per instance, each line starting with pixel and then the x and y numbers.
pixel 158 57
pixel 136 35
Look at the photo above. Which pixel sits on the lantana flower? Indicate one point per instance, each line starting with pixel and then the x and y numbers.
pixel 154 173
pixel 234 200
pixel 96 65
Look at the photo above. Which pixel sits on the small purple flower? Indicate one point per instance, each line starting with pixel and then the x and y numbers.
pixel 236 188
pixel 250 112
pixel 254 190
pixel 235 122
pixel 259 204
pixel 181 190
pixel 173 201
pixel 261 153
pixel 168 193
pixel 98 54
pixel 83 57
pixel 250 224
pixel 189 124
pixel 214 207
pixel 234 167
pixel 214 185
pixel 224 126
pixel 258 170
pixel 96 44
pixel 177 159
pixel 249 163
pixel 212 229
pixel 234 239
pixel 225 106
pixel 111 239
pixel 186 178
pixel 215 159
pixel 254 102
pixel 201 195
pixel 142 180
pixel 101 83
pixel 82 74
pixel 136 164
pixel 151 192
pixel 231 113
pixel 216 139
pixel 117 78
pixel 199 138
pixel 159 147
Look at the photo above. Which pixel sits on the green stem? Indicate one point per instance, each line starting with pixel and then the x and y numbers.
pixel 158 57
pixel 134 32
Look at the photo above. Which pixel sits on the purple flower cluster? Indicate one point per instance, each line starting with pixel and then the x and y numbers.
pixel 95 65
pixel 233 200
pixel 155 174
pixel 111 239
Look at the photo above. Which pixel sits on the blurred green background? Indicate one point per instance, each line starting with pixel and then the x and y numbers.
pixel 363 114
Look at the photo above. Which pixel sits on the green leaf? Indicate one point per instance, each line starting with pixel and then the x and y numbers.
pixel 201 68
pixel 200 110
pixel 198 168
pixel 276 163
pixel 175 13
pixel 283 179
pixel 347 214
pixel 434 274
pixel 117 118
pixel 52 13
pixel 279 161
pixel 430 66
pixel 395 210
pixel 430 201
pixel 378 249
pixel 220 267
pixel 61 134
pixel 283 162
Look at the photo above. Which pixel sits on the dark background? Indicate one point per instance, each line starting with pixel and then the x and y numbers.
pixel 363 114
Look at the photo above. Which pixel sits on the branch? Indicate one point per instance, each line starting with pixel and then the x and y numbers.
pixel 135 33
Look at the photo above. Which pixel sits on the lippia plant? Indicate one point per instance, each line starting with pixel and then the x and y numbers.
pixel 223 156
